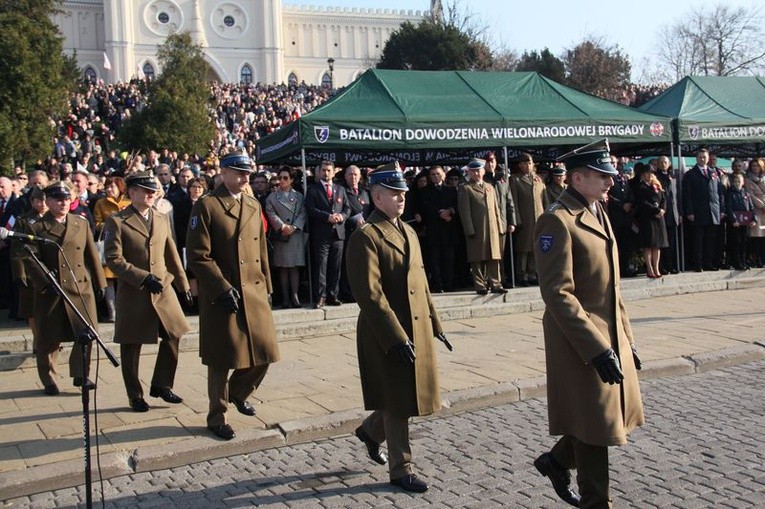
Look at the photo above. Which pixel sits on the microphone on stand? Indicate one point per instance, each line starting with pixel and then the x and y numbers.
pixel 8 234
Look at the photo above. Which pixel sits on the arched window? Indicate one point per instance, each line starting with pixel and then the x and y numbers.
pixel 292 79
pixel 326 81
pixel 246 74
pixel 148 70
pixel 90 74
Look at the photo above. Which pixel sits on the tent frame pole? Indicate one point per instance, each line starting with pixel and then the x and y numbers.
pixel 680 227
pixel 305 247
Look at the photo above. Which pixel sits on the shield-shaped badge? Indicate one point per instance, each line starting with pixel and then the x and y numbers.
pixel 693 132
pixel 321 132
pixel 545 243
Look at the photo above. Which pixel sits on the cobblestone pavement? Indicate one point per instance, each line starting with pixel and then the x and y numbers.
pixel 702 447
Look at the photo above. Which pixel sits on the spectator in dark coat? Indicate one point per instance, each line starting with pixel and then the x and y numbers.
pixel 650 206
pixel 438 209
pixel 740 213
pixel 672 219
pixel 703 207
pixel 360 205
pixel 620 203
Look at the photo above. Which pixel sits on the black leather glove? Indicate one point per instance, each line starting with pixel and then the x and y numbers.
pixel 608 367
pixel 636 358
pixel 230 300
pixel 404 352
pixel 188 299
pixel 442 338
pixel 153 284
pixel 100 294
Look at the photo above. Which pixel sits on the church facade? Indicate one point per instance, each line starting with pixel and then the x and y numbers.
pixel 243 40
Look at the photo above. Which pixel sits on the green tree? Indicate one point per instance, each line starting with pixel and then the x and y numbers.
pixel 597 69
pixel 177 113
pixel 433 46
pixel 544 62
pixel 35 79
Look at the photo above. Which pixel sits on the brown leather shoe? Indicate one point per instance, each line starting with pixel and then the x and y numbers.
pixel 559 476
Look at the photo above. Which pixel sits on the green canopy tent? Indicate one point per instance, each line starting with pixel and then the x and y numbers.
pixel 724 113
pixel 425 117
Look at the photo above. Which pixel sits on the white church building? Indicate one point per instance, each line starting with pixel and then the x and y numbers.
pixel 243 40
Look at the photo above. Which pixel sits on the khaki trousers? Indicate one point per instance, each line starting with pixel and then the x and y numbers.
pixel 591 463
pixel 46 363
pixel 164 367
pixel 221 388
pixel 383 426
pixel 525 267
pixel 485 274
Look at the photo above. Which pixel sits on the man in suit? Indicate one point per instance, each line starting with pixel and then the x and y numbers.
pixel 530 201
pixel 360 205
pixel 141 252
pixel 481 222
pixel 438 209
pixel 498 177
pixel 592 386
pixel 227 252
pixel 396 328
pixel 7 201
pixel 327 206
pixel 703 207
pixel 76 265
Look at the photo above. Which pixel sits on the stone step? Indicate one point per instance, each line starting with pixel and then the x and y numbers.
pixel 293 324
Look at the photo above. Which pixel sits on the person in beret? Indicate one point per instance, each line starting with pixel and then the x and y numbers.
pixel 78 270
pixel 396 328
pixel 593 396
pixel 482 223
pixel 227 252
pixel 141 253
pixel 530 201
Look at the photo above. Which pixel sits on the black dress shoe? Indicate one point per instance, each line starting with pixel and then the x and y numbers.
pixel 334 301
pixel 559 476
pixel 410 483
pixel 51 390
pixel 244 407
pixel 88 383
pixel 373 448
pixel 483 291
pixel 498 289
pixel 139 405
pixel 223 431
pixel 166 394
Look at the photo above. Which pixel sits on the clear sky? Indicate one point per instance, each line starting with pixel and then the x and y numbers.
pixel 560 24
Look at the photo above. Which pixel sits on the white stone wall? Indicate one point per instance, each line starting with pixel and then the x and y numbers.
pixel 274 41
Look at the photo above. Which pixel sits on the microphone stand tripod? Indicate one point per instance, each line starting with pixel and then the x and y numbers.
pixel 84 337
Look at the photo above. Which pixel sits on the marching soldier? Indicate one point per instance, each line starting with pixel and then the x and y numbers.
pixel 396 327
pixel 226 250
pixel 141 252
pixel 76 265
pixel 593 396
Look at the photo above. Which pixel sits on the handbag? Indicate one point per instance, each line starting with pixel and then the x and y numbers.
pixel 743 217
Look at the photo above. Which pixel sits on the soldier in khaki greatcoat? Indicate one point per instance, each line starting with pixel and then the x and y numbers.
pixel 483 225
pixel 226 250
pixel 592 385
pixel 141 252
pixel 77 266
pixel 396 327
pixel 530 201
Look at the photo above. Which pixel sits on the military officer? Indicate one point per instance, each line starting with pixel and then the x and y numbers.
pixel 530 200
pixel 226 250
pixel 396 326
pixel 141 252
pixel 77 265
pixel 592 385
pixel 483 226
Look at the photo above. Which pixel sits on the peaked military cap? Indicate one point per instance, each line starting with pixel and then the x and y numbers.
pixel 390 176
pixel 143 179
pixel 596 156
pixel 57 190
pixel 239 161
pixel 476 163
